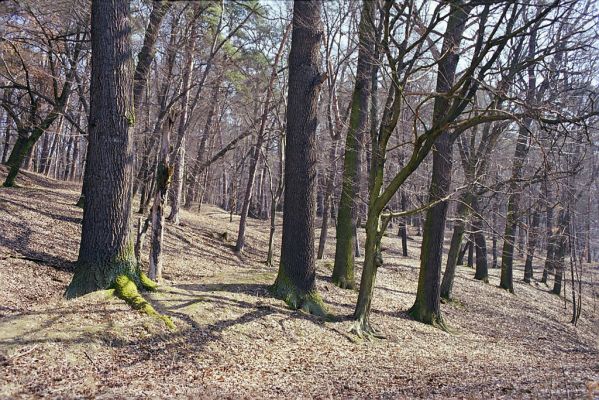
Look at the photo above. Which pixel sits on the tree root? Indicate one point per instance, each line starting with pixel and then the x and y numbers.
pixel 126 289
pixel 343 282
pixel 362 329
pixel 429 318
pixel 310 303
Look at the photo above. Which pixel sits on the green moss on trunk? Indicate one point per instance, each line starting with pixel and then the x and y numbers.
pixel 309 302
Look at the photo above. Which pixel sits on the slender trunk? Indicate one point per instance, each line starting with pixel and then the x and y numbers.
pixel 343 270
pixel 427 307
pixel 530 249
pixel 482 270
pixel 163 179
pixel 6 139
pixel 459 227
pixel 178 157
pixel 403 231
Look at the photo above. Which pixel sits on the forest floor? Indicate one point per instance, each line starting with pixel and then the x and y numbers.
pixel 234 341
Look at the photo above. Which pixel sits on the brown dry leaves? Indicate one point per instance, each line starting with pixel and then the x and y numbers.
pixel 234 341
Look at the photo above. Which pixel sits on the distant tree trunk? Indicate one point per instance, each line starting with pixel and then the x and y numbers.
pixel 6 140
pixel 561 247
pixel 403 231
pixel 343 270
pixel 511 220
pixel 549 258
pixel 295 282
pixel 427 308
pixel 482 270
pixel 192 185
pixel 530 249
pixel 470 260
pixel 178 157
pixel 106 256
pixel 328 198
pixel 258 148
pixel 163 179
pixel 453 255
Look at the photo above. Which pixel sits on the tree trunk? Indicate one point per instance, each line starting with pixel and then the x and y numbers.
pixel 403 230
pixel 295 282
pixel 163 179
pixel 328 198
pixel 106 256
pixel 511 220
pixel 343 270
pixel 6 139
pixel 178 157
pixel 482 269
pixel 459 227
pixel 427 308
pixel 530 249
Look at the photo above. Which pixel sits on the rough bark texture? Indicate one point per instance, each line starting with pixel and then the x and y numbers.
pixel 427 308
pixel 343 270
pixel 295 282
pixel 106 250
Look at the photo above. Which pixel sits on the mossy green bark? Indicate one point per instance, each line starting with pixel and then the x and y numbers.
pixel 309 302
pixel 126 289
pixel 124 276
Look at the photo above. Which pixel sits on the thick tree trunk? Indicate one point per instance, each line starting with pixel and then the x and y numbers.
pixel 106 256
pixel 295 282
pixel 343 270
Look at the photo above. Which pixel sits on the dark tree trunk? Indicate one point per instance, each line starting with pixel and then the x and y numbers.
pixel 482 269
pixel 403 230
pixel 345 245
pixel 427 308
pixel 147 52
pixel 106 256
pixel 295 281
pixel 530 249
pixel 470 259
pixel 453 256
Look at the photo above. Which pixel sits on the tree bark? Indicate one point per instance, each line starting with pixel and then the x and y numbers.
pixel 532 243
pixel 295 282
pixel 427 308
pixel 343 270
pixel 106 256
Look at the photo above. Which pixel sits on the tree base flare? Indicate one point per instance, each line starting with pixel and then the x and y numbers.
pixel 362 329
pixel 427 317
pixel 310 303
pixel 344 282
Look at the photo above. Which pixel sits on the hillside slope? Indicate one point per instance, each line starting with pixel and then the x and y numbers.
pixel 234 341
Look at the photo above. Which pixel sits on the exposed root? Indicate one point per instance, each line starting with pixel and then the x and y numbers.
pixel 362 329
pixel 146 283
pixel 126 289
